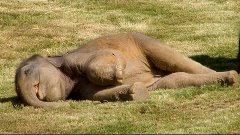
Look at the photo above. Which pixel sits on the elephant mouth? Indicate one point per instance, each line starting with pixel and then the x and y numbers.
pixel 36 89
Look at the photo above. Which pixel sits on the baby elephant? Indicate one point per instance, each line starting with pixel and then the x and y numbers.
pixel 111 68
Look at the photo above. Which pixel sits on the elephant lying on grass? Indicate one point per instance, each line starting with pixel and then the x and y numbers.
pixel 111 68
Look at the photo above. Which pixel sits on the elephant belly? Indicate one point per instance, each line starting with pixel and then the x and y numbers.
pixel 135 71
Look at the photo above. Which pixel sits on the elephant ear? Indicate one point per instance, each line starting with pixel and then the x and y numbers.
pixel 55 60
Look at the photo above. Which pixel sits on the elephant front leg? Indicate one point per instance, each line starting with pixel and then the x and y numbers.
pixel 106 68
pixel 182 79
pixel 135 92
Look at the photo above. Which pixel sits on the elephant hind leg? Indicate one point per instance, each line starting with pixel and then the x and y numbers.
pixel 232 78
pixel 181 79
pixel 166 58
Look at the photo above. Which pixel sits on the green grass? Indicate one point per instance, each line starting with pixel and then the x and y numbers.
pixel 205 30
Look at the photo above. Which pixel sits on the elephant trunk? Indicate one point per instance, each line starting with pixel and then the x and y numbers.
pixel 29 97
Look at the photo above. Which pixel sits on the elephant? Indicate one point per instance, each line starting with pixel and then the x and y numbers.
pixel 117 67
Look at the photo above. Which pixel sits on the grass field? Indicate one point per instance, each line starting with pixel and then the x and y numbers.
pixel 205 30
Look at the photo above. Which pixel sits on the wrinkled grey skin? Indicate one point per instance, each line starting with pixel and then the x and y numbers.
pixel 111 68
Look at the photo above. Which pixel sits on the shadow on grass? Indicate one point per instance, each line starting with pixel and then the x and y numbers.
pixel 216 63
pixel 16 102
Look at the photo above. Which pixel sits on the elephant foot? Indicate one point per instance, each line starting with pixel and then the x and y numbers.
pixel 138 92
pixel 232 78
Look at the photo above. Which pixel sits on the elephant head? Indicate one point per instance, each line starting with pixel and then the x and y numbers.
pixel 39 83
